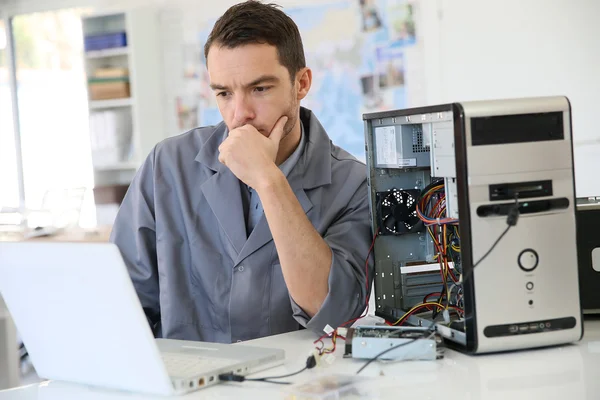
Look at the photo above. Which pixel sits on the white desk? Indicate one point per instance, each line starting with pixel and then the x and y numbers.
pixel 565 372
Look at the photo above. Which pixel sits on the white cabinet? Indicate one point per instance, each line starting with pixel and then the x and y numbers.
pixel 124 77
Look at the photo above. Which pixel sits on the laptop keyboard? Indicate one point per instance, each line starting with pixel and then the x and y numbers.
pixel 181 365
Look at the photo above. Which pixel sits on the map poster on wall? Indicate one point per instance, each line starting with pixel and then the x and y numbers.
pixel 357 52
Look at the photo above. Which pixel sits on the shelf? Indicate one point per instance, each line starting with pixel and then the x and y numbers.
pixel 117 51
pixel 116 167
pixel 101 104
pixel 116 124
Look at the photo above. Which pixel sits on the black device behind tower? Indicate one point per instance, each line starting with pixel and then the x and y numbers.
pixel 588 252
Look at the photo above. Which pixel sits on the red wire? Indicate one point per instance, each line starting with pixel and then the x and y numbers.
pixel 429 295
pixel 457 309
pixel 454 278
pixel 433 210
pixel 321 338
pixel 367 269
pixel 405 316
pixel 364 314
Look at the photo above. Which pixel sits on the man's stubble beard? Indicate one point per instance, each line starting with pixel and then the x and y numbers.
pixel 293 114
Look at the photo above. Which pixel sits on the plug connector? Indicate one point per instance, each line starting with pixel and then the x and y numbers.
pixel 513 216
pixel 231 377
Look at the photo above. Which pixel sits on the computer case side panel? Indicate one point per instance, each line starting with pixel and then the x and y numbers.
pixel 577 230
pixel 465 224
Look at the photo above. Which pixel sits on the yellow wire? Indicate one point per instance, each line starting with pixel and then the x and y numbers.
pixel 431 234
pixel 333 339
pixel 429 303
pixel 446 271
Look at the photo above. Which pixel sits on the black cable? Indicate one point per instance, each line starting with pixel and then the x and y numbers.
pixel 311 362
pixel 242 378
pixel 278 377
pixel 493 246
pixel 431 185
pixel 431 329
pixel 383 352
pixel 443 293
pixel 511 220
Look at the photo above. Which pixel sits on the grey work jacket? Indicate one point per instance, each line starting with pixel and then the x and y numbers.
pixel 181 231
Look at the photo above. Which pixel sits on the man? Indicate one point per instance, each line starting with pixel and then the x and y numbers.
pixel 258 225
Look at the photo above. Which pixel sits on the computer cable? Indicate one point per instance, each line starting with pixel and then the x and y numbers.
pixel 431 329
pixel 333 332
pixel 311 362
pixel 511 220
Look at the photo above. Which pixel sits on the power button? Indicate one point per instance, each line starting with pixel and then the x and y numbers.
pixel 528 260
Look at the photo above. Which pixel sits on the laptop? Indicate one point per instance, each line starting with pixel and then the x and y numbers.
pixel 79 316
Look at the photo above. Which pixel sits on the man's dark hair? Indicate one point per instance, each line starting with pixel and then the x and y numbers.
pixel 253 22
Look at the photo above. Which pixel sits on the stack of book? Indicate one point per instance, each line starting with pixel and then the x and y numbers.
pixel 109 83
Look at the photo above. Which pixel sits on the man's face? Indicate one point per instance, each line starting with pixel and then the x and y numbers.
pixel 252 87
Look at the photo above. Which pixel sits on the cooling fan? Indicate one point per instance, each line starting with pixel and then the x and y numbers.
pixel 398 212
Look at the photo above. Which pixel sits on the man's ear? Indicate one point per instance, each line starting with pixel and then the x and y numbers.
pixel 303 82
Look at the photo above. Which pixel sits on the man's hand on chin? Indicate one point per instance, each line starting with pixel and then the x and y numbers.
pixel 250 155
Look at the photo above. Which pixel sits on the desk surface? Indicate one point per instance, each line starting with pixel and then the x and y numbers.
pixel 565 372
pixel 100 234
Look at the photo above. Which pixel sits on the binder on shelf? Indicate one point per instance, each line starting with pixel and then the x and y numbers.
pixel 111 137
pixel 105 41
pixel 109 88
pixel 111 72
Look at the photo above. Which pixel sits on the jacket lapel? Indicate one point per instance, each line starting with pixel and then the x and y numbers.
pixel 222 191
pixel 261 235
pixel 312 170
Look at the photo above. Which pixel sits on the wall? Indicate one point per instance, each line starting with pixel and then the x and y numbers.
pixel 517 48
pixel 474 49
pixel 204 8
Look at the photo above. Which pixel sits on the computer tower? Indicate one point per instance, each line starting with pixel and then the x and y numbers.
pixel 588 249
pixel 445 185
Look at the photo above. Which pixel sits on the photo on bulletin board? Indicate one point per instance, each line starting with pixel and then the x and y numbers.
pixel 371 15
pixel 390 65
pixel 401 23
pixel 370 92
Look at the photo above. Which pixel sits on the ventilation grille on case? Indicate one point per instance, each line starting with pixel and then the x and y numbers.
pixel 418 146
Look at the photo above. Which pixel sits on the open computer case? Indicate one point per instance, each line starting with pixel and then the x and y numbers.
pixel 445 185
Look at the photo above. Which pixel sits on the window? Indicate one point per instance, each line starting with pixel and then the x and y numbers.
pixel 9 186
pixel 53 118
